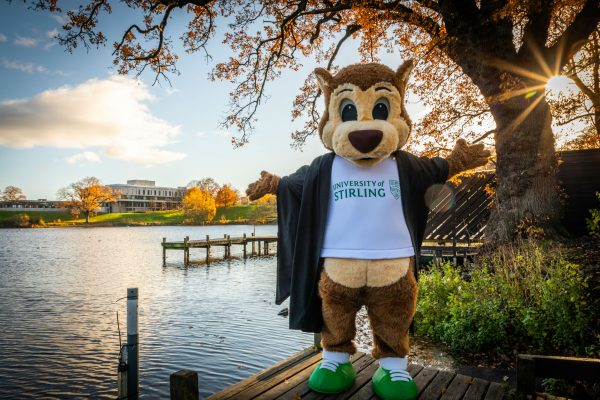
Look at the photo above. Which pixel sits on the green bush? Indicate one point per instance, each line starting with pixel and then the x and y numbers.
pixel 521 296
pixel 593 223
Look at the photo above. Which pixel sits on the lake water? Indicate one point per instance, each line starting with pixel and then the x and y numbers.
pixel 58 303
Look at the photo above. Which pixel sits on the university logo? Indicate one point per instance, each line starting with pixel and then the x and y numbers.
pixel 395 188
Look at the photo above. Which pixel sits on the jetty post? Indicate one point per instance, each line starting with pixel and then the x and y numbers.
pixel 207 249
pixel 133 360
pixel 184 385
pixel 164 249
pixel 253 246
pixel 186 251
pixel 245 243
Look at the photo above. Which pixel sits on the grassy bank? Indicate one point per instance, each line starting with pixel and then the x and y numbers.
pixel 225 215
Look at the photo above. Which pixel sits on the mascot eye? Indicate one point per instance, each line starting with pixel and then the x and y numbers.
pixel 348 110
pixel 381 109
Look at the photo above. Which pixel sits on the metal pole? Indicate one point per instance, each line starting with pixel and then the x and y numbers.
pixel 133 361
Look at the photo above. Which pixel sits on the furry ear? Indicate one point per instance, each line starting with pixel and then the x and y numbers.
pixel 403 73
pixel 325 79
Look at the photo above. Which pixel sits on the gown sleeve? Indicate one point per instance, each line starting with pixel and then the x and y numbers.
pixel 289 198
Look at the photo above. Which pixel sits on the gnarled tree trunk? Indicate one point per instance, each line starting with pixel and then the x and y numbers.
pixel 527 198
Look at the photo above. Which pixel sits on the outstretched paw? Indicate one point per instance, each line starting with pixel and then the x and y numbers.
pixel 267 184
pixel 465 157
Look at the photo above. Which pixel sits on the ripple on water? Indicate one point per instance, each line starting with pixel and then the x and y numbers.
pixel 58 305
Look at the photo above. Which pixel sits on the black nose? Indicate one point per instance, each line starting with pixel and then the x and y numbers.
pixel 365 141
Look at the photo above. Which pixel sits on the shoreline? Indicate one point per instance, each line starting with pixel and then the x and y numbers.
pixel 233 215
pixel 126 225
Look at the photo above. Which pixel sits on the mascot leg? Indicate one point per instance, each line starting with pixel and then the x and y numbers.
pixel 391 309
pixel 335 373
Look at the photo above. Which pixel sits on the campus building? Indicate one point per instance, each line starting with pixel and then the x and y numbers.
pixel 141 195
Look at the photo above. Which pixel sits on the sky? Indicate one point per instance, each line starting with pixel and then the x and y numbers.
pixel 65 116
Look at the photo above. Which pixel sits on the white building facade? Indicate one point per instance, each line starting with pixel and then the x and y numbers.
pixel 142 195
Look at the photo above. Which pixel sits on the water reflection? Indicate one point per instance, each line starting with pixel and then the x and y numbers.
pixel 58 332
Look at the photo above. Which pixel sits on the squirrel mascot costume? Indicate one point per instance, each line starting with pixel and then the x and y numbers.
pixel 351 225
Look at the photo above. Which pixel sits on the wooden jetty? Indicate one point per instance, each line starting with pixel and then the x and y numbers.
pixel 259 245
pixel 288 380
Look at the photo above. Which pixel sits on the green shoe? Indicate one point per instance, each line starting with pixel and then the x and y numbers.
pixel 324 380
pixel 396 385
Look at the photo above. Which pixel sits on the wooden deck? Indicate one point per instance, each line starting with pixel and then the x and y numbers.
pixel 288 380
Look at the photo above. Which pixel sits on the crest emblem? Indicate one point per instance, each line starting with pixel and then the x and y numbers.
pixel 395 188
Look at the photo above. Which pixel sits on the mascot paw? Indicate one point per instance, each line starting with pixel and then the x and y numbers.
pixel 330 377
pixel 394 385
pixel 267 184
pixel 465 157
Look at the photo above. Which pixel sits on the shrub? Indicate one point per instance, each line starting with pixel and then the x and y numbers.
pixel 524 295
pixel 593 223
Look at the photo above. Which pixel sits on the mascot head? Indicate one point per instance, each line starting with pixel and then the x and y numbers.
pixel 365 120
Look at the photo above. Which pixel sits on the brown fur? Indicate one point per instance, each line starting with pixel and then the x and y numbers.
pixel 364 76
pixel 267 184
pixel 390 309
pixel 364 85
pixel 465 157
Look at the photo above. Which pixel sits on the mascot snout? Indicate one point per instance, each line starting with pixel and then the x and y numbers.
pixel 365 140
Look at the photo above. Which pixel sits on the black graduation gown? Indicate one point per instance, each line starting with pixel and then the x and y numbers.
pixel 302 202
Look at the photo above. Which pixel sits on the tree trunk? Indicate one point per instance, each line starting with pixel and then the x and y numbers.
pixel 87 217
pixel 527 200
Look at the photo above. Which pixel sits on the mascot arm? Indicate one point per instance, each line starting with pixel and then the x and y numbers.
pixel 269 183
pixel 465 157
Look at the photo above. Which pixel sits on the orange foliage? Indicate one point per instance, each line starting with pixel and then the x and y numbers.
pixel 463 49
pixel 226 196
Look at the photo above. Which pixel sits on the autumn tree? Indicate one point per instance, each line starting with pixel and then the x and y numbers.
pixel 13 193
pixel 86 196
pixel 580 102
pixel 459 110
pixel 226 196
pixel 507 50
pixel 199 205
pixel 208 184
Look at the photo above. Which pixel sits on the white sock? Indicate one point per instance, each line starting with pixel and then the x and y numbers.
pixel 393 363
pixel 336 356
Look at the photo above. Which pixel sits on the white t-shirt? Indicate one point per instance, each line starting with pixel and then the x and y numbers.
pixel 365 219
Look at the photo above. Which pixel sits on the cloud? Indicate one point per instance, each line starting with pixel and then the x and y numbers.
pixel 52 34
pixel 26 41
pixel 3 38
pixel 29 67
pixel 88 156
pixel 61 19
pixel 108 113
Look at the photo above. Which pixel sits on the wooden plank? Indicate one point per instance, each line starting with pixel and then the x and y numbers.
pixel 457 387
pixel 562 367
pixel 264 385
pixel 262 375
pixel 476 390
pixel 495 391
pixel 297 386
pixel 424 377
pixel 438 386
